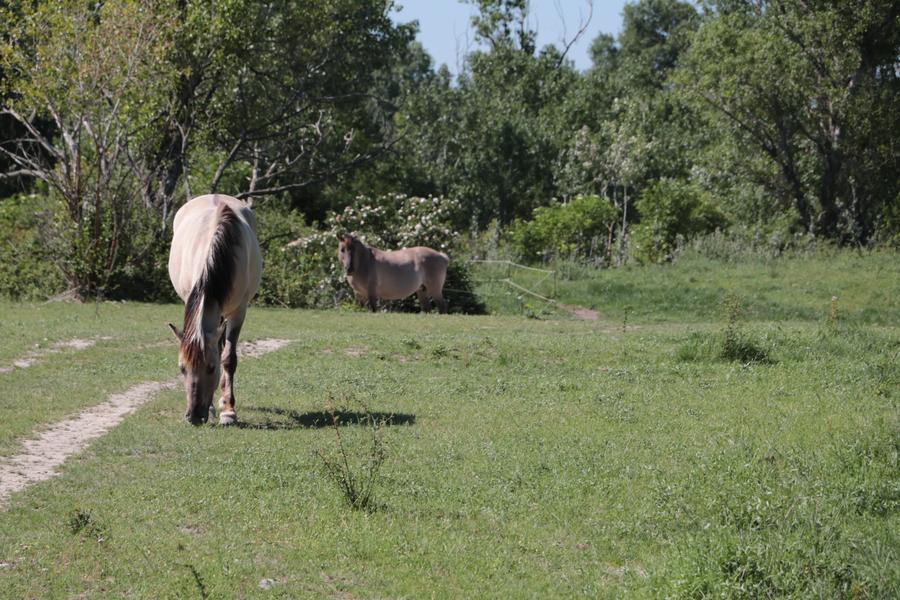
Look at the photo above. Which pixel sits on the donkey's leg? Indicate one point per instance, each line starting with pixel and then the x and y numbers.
pixel 423 299
pixel 227 414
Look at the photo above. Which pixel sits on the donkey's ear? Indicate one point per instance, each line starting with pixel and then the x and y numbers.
pixel 177 333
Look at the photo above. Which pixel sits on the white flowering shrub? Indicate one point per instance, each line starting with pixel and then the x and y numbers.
pixel 399 221
pixel 307 273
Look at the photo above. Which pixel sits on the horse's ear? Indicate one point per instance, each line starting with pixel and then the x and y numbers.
pixel 177 333
pixel 340 236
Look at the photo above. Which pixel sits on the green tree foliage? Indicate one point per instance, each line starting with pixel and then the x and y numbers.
pixel 123 104
pixel 27 269
pixel 655 35
pixel 492 139
pixel 97 75
pixel 805 93
pixel 285 87
pixel 779 114
pixel 633 127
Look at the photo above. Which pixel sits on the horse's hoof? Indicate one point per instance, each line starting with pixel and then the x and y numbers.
pixel 227 418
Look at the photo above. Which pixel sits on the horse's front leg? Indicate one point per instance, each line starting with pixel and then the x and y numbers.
pixel 227 413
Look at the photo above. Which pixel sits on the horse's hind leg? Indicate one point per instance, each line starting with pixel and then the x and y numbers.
pixel 435 288
pixel 227 414
pixel 441 303
pixel 424 302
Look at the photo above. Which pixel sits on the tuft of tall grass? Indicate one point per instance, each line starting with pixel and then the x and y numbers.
pixel 737 345
pixel 353 468
pixel 733 343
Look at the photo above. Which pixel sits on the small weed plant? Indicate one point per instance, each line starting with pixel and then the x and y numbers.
pixel 737 345
pixel 80 522
pixel 833 313
pixel 733 344
pixel 354 467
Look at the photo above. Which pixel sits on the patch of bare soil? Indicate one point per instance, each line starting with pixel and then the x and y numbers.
pixel 258 348
pixel 42 456
pixel 33 357
pixel 581 312
pixel 356 352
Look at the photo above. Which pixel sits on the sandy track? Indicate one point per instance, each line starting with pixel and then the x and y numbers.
pixel 42 456
pixel 35 356
pixel 586 314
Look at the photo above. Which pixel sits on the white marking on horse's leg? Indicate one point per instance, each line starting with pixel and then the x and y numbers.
pixel 42 456
pixel 229 365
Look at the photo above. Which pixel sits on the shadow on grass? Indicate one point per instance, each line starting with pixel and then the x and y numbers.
pixel 320 419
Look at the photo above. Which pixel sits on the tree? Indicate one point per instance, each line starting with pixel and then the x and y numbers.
pixel 289 87
pixel 492 140
pixel 95 76
pixel 655 35
pixel 806 83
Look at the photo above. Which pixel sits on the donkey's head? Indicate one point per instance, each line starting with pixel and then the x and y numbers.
pixel 348 250
pixel 199 361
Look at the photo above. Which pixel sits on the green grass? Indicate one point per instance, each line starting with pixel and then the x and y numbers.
pixel 691 290
pixel 528 458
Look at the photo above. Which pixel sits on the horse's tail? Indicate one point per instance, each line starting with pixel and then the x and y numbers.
pixel 220 261
pixel 218 275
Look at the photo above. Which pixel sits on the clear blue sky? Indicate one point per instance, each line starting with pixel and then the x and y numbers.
pixel 445 31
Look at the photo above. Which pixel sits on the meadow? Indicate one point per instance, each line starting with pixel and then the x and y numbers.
pixel 527 454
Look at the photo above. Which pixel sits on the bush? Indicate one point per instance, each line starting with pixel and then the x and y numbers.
pixel 671 211
pixel 287 277
pixel 306 272
pixel 43 253
pixel 27 267
pixel 581 228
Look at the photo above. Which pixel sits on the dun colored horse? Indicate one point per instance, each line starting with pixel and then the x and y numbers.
pixel 393 274
pixel 215 265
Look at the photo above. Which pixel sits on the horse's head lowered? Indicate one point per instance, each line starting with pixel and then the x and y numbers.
pixel 349 247
pixel 199 361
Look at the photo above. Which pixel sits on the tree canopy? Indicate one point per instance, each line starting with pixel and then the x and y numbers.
pixel 778 113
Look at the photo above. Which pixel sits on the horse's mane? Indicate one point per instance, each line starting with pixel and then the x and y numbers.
pixel 214 283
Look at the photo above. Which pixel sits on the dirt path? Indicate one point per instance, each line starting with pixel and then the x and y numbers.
pixel 35 356
pixel 41 456
pixel 588 314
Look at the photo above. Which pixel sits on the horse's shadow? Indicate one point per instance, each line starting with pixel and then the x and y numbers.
pixel 320 419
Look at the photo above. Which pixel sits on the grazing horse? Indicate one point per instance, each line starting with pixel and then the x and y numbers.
pixel 215 265
pixel 393 274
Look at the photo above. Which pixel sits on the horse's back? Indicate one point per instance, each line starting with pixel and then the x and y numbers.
pixel 403 272
pixel 194 227
pixel 204 208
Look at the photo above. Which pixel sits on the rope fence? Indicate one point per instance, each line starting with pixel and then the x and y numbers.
pixel 510 265
pixel 507 281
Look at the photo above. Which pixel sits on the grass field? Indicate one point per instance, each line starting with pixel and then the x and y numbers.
pixel 867 287
pixel 527 457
